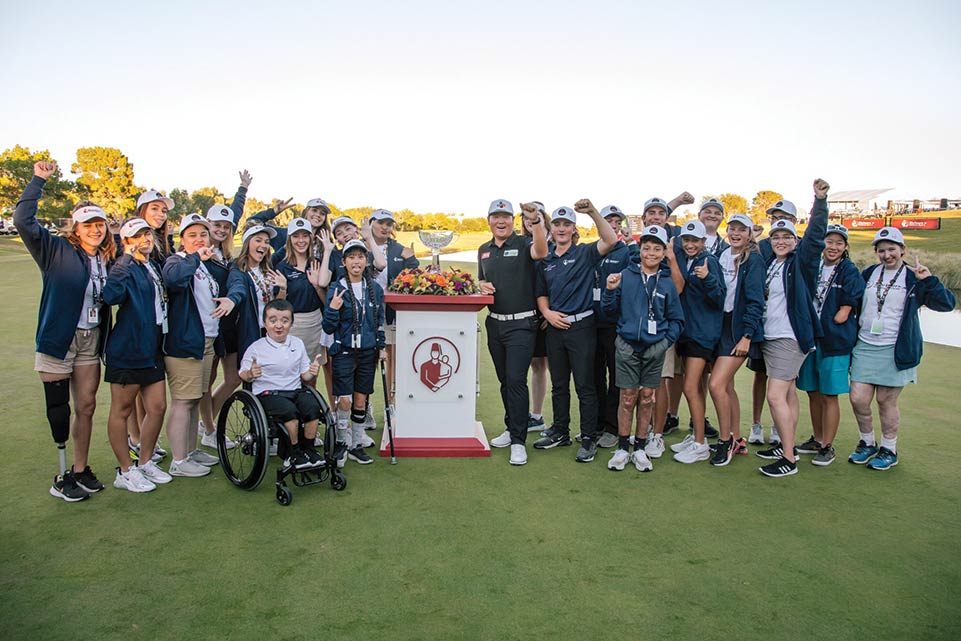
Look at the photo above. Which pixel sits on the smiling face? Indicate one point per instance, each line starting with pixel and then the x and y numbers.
pixel 652 253
pixel 300 241
pixel 834 246
pixel 711 217
pixel 783 243
pixel 381 230
pixel 221 231
pixel 91 234
pixel 345 232
pixel 355 261
pixel 614 222
pixel 277 323
pixel 315 216
pixel 144 240
pixel 195 237
pixel 655 215
pixel 889 254
pixel 155 213
pixel 563 232
pixel 501 225
pixel 692 245
pixel 738 236
pixel 257 247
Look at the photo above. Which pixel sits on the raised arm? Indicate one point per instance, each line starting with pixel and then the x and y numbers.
pixel 38 241
pixel 608 237
pixel 240 198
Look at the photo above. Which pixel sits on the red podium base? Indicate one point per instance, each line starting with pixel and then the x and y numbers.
pixel 437 447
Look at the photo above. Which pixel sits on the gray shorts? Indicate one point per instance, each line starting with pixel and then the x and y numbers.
pixel 782 358
pixel 634 370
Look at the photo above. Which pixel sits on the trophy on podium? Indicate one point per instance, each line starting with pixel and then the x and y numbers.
pixel 436 240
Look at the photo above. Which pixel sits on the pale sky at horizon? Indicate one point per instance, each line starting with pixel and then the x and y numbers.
pixel 439 106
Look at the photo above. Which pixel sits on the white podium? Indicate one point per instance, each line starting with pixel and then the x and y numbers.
pixel 436 377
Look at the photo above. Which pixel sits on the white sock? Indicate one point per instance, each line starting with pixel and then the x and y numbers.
pixel 537 417
pixel 180 461
pixel 868 438
pixel 890 443
pixel 357 433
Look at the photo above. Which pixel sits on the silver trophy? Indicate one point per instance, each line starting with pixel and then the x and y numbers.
pixel 436 240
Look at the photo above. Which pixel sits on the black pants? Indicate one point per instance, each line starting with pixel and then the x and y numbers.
pixel 608 394
pixel 511 344
pixel 572 351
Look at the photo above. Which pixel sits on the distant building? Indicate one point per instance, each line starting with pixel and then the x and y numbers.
pixel 858 202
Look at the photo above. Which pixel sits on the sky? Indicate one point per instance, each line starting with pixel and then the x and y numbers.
pixel 445 106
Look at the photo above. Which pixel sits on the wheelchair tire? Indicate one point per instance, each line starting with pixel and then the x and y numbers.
pixel 244 422
pixel 284 496
pixel 338 482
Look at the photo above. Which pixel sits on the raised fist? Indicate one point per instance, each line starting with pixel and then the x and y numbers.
pixel 821 188
pixel 44 168
pixel 585 206
pixel 614 281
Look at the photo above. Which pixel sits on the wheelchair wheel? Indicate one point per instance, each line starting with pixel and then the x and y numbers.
pixel 243 421
pixel 284 496
pixel 338 482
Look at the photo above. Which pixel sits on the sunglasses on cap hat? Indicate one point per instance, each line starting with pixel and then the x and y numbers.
pixel 837 229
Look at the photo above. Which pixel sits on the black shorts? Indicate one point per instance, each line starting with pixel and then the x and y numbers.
pixel 756 364
pixel 290 405
pixel 693 349
pixel 143 376
pixel 353 371
pixel 540 340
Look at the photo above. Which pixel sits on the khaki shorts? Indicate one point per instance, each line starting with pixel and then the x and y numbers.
pixel 188 378
pixel 82 351
pixel 670 362
pixel 390 332
pixel 307 327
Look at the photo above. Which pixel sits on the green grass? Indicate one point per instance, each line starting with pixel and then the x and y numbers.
pixel 476 549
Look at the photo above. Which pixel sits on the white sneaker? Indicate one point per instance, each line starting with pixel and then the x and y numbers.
pixel 641 462
pixel 757 434
pixel 696 452
pixel 188 468
pixel 198 456
pixel 210 440
pixel 318 441
pixel 154 474
pixel 133 481
pixel 503 440
pixel 655 446
pixel 683 445
pixel 619 460
pixel 518 454
pixel 366 441
pixel 775 437
pixel 607 441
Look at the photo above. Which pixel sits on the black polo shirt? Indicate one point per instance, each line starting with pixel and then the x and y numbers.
pixel 568 280
pixel 510 269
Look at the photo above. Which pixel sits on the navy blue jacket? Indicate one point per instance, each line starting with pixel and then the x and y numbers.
pixel 339 323
pixel 800 275
pixel 133 341
pixel 846 289
pixel 185 330
pixel 614 262
pixel 749 301
pixel 243 292
pixel 929 292
pixel 300 292
pixel 702 299
pixel 395 265
pixel 65 271
pixel 629 304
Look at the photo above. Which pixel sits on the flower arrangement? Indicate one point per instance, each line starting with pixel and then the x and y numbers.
pixel 449 282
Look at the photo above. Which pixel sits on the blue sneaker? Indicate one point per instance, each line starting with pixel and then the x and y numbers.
pixel 863 453
pixel 885 460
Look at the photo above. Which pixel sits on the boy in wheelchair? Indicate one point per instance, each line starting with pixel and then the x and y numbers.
pixel 277 366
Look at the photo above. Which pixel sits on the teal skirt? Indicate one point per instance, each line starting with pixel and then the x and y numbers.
pixel 874 365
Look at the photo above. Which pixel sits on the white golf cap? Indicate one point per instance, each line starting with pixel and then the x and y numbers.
pixel 656 202
pixel 354 244
pixel 840 230
pixel 612 210
pixel 564 213
pixel 742 219
pixel 712 202
pixel 258 229
pixel 500 206
pixel 220 214
pixel 320 203
pixel 298 224
pixel 891 234
pixel 382 214
pixel 340 220
pixel 783 225
pixel 694 228
pixel 90 212
pixel 152 195
pixel 133 227
pixel 785 206
pixel 656 232
pixel 193 219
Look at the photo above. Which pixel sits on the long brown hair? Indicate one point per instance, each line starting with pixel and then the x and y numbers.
pixel 107 248
pixel 162 243
pixel 243 260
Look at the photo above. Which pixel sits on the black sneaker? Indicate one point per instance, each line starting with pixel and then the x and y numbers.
pixel 88 481
pixel 723 453
pixel 553 438
pixel 65 487
pixel 825 456
pixel 534 424
pixel 810 446
pixel 587 450
pixel 671 424
pixel 358 455
pixel 774 453
pixel 709 430
pixel 298 459
pixel 780 467
pixel 312 455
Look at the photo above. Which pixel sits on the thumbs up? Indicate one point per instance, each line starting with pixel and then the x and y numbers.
pixel 256 371
pixel 314 369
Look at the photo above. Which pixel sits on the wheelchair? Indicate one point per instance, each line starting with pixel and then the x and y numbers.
pixel 243 420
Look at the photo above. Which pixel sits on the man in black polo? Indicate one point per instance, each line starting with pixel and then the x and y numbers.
pixel 565 288
pixel 505 269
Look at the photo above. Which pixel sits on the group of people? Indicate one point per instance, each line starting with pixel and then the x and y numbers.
pixel 637 324
pixel 678 312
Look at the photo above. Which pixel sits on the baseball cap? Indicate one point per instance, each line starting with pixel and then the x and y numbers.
pixel 656 232
pixel 193 219
pixel 354 244
pixel 382 214
pixel 888 233
pixel 90 212
pixel 258 229
pixel 841 230
pixel 743 219
pixel 712 202
pixel 785 206
pixel 694 228
pixel 500 206
pixel 783 225
pixel 133 227
pixel 152 195
pixel 612 210
pixel 220 213
pixel 319 203
pixel 564 213
pixel 656 202
pixel 298 224
pixel 340 220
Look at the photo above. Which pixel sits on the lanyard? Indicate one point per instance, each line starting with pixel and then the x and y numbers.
pixel 884 296
pixel 161 290
pixel 261 284
pixel 212 285
pixel 717 243
pixel 650 294
pixel 772 272
pixel 97 282
pixel 822 291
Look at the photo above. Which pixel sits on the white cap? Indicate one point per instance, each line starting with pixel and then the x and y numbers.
pixel 656 202
pixel 743 219
pixel 564 213
pixel 612 210
pixel 500 206
pixel 382 214
pixel 340 220
pixel 694 228
pixel 193 219
pixel 152 195
pixel 319 203
pixel 354 244
pixel 133 227
pixel 654 231
pixel 220 213
pixel 891 234
pixel 712 202
pixel 258 229
pixel 783 225
pixel 784 205
pixel 298 224
pixel 88 213
pixel 840 230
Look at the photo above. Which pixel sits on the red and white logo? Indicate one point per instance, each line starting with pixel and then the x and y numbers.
pixel 435 360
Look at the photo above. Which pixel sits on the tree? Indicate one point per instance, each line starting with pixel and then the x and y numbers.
pixel 762 201
pixel 16 171
pixel 202 200
pixel 106 178
pixel 182 202
pixel 733 203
